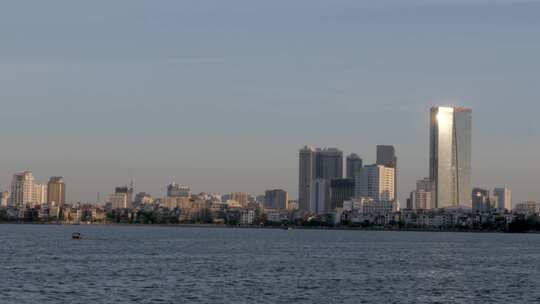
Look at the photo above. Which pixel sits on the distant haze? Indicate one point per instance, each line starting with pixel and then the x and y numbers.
pixel 220 95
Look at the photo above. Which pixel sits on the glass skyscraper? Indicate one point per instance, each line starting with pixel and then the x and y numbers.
pixel 450 156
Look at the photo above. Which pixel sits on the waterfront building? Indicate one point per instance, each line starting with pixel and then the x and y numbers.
pixel 176 190
pixel 354 166
pixel 56 190
pixel 504 198
pixel 450 156
pixel 40 194
pixel 4 199
pixel 341 189
pixel 527 208
pixel 276 199
pixel 23 189
pixel 376 182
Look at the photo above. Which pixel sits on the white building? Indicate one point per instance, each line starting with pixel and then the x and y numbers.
pixel 118 200
pixel 247 217
pixel 504 198
pixel 22 188
pixel 376 182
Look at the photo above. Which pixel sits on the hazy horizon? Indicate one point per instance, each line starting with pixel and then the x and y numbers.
pixel 222 95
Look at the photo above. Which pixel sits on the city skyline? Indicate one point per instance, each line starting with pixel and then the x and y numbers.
pixel 204 102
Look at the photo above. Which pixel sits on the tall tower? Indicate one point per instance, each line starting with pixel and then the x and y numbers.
pixel 386 156
pixel 22 189
pixel 56 190
pixel 306 174
pixel 450 156
pixel 354 165
pixel 504 198
pixel 328 163
pixel 377 183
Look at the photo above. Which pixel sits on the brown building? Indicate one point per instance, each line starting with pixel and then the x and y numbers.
pixel 56 190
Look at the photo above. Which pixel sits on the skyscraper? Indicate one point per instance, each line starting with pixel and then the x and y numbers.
pixel 276 199
pixel 128 191
pixel 328 163
pixel 421 198
pixel 354 165
pixel 317 164
pixel 376 182
pixel 386 156
pixel 22 189
pixel 306 174
pixel 504 198
pixel 450 156
pixel 56 190
pixel 481 201
pixel 341 189
pixel 320 196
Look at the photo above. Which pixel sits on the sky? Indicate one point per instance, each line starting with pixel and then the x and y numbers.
pixel 221 95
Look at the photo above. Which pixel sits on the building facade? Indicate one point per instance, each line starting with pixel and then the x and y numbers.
pixel 450 156
pixel 176 190
pixel 341 189
pixel 354 166
pixel 504 198
pixel 56 190
pixel 276 199
pixel 376 182
pixel 386 156
pixel 22 189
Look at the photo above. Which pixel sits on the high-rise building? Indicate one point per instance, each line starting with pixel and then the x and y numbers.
pixel 504 198
pixel 56 190
pixel 354 165
pixel 316 164
pixel 376 182
pixel 341 189
pixel 142 198
pixel 40 194
pixel 4 199
pixel 128 191
pixel 119 200
pixel 306 174
pixel 328 163
pixel 421 198
pixel 176 190
pixel 22 189
pixel 240 197
pixel 276 199
pixel 320 196
pixel 386 156
pixel 481 200
pixel 450 156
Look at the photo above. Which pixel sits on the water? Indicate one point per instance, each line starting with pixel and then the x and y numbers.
pixel 113 264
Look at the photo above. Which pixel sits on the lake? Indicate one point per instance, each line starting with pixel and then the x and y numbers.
pixel 150 264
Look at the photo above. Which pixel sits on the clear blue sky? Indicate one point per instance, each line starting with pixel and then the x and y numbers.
pixel 220 95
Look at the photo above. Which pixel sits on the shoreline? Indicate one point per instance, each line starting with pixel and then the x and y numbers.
pixel 215 226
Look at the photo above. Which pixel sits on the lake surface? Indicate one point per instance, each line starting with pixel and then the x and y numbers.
pixel 124 264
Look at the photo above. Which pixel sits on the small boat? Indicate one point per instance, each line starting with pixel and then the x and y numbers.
pixel 76 236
